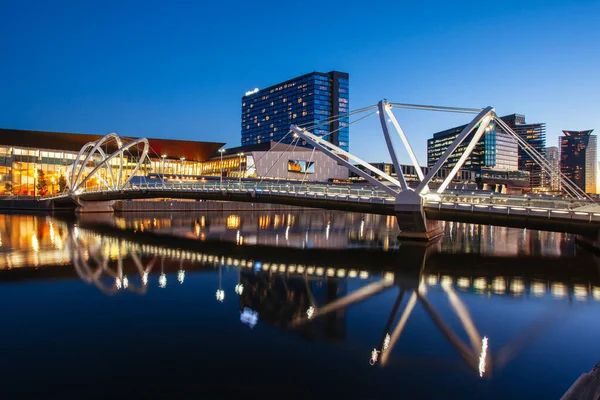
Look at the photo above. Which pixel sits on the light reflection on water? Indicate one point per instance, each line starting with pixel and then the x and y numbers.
pixel 483 293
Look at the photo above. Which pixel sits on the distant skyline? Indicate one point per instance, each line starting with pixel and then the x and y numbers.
pixel 179 70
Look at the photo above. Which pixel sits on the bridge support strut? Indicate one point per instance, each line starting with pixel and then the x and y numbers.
pixel 412 220
pixel 95 206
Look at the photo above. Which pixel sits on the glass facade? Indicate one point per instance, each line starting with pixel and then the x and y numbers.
pixel 307 101
pixel 535 136
pixel 495 149
pixel 578 159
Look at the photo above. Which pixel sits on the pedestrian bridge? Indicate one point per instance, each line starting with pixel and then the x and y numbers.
pixel 580 217
pixel 414 207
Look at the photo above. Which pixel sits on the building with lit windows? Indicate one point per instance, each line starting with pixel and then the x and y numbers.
pixel 272 160
pixel 553 179
pixel 34 163
pixel 535 136
pixel 494 150
pixel 28 158
pixel 317 100
pixel 578 158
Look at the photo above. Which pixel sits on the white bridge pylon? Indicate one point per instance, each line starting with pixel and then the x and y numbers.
pixel 484 121
pixel 388 183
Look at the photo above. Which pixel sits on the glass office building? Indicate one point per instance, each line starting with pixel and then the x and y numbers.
pixel 535 136
pixel 578 159
pixel 495 149
pixel 34 163
pixel 307 101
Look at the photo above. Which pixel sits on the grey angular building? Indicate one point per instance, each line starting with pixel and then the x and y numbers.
pixel 307 100
pixel 578 158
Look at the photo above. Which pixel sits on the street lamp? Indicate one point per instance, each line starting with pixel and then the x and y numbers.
pixel 240 154
pixel 221 168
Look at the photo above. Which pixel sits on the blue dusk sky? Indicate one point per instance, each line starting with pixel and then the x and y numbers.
pixel 178 69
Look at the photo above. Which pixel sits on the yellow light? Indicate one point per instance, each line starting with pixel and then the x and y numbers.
pixel 432 280
pixel 463 283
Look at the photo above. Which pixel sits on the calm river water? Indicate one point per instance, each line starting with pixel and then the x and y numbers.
pixel 291 304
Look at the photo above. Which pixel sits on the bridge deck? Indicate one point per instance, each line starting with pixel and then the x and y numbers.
pixel 551 214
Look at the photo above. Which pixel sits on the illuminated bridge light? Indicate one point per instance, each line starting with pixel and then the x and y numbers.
pixel 180 276
pixel 300 269
pixel 236 262
pixel 292 268
pixel 220 295
pixel 517 286
pixel 364 274
pixel 480 284
pixel 389 276
pixel 118 283
pixel 282 267
pixel 463 282
pixel 310 270
pixel 386 341
pixel 432 280
pixel 341 273
pixel 374 357
pixel 162 281
pixel 538 289
pixel 239 289
pixel 330 272
pixel 353 273
pixel 499 285
pixel 125 282
pixel 257 266
pixel 596 293
pixel 145 278
pixel 310 312
pixel 580 292
pixel 558 290
pixel 320 271
pixel 446 281
pixel 482 357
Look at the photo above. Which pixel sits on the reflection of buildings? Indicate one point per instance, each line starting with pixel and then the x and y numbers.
pixel 578 159
pixel 279 299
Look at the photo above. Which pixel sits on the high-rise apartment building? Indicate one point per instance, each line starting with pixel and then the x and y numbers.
pixel 308 101
pixel 535 136
pixel 552 180
pixel 494 150
pixel 578 158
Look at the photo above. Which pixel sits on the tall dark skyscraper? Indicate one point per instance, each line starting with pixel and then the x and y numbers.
pixel 306 101
pixel 535 135
pixel 578 160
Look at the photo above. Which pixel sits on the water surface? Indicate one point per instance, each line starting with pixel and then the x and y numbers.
pixel 299 304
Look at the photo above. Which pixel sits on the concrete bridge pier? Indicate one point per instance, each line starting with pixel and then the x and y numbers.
pixel 411 218
pixel 95 206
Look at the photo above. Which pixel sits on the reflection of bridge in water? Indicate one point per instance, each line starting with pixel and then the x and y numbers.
pixel 307 290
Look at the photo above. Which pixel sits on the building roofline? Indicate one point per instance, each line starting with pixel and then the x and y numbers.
pixel 296 78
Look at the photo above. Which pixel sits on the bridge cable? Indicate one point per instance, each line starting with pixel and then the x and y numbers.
pixel 575 190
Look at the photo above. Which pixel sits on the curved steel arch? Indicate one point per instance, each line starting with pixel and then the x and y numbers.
pixel 75 171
